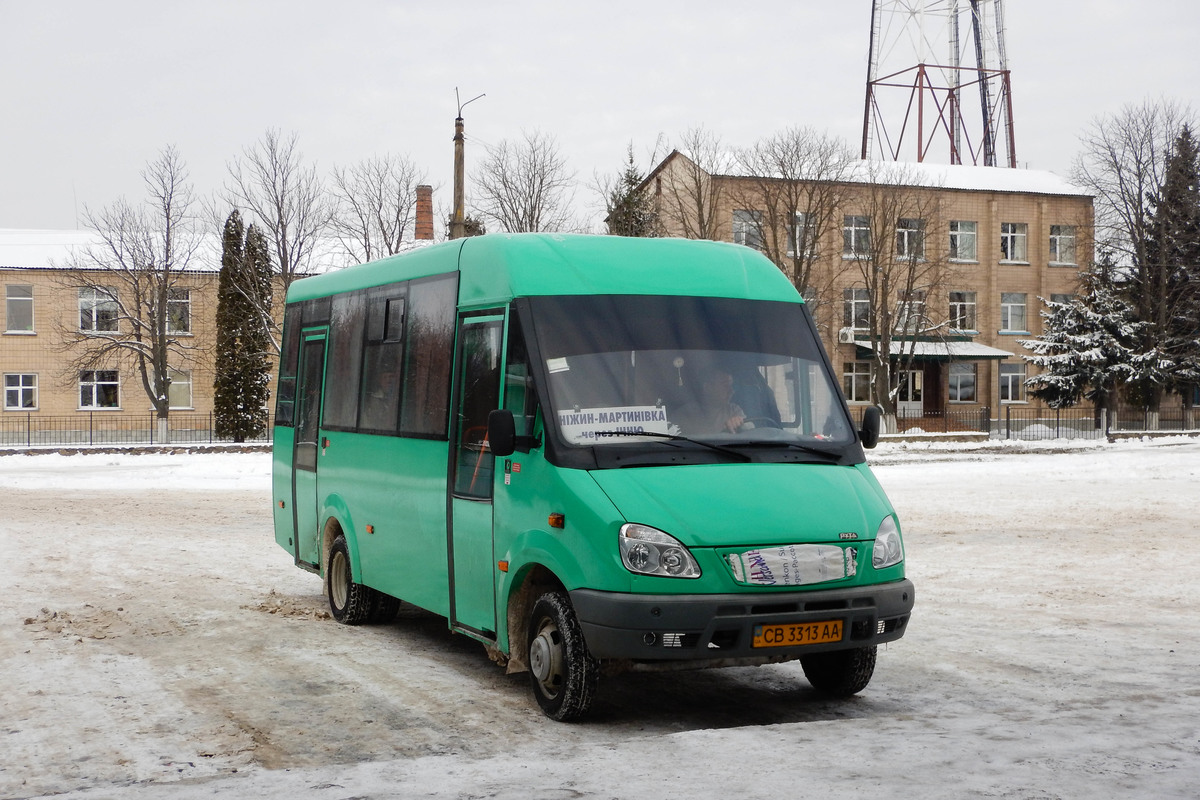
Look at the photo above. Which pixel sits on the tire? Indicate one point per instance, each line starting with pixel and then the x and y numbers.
pixel 384 609
pixel 562 672
pixel 841 673
pixel 351 603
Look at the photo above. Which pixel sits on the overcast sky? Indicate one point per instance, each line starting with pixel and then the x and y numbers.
pixel 95 90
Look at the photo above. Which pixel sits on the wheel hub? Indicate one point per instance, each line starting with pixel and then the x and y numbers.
pixel 545 657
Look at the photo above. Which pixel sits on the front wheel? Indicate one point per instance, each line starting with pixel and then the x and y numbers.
pixel 840 673
pixel 562 671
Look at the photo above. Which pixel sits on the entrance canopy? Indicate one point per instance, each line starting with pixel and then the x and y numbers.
pixel 938 351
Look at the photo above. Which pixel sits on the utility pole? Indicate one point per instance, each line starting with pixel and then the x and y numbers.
pixel 458 219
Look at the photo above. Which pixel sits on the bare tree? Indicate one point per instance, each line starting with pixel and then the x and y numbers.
pixel 1125 162
pixel 691 199
pixel 375 205
pixel 288 201
pixel 134 309
pixel 885 253
pixel 286 196
pixel 525 186
pixel 795 182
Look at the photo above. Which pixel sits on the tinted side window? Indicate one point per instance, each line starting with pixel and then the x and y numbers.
pixel 430 344
pixel 285 394
pixel 345 360
pixel 383 358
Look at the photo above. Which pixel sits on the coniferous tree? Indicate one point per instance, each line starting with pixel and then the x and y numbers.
pixel 241 387
pixel 257 349
pixel 630 210
pixel 1089 346
pixel 1172 276
pixel 226 398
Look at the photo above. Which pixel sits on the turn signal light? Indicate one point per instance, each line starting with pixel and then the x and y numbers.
pixel 557 521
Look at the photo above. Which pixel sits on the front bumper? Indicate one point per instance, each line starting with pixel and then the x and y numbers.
pixel 721 627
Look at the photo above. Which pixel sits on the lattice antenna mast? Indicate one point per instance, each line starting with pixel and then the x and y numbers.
pixel 926 60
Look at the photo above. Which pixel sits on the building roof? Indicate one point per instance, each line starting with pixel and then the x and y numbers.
pixel 941 351
pixel 53 249
pixel 957 177
pixel 42 249
pixel 968 178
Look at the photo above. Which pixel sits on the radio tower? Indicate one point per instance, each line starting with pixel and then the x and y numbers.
pixel 929 62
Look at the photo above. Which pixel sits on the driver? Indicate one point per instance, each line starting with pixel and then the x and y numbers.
pixel 714 410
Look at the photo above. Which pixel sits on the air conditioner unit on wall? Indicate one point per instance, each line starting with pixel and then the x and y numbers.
pixel 846 336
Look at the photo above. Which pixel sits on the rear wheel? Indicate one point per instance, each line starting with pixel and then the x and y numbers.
pixel 842 672
pixel 562 671
pixel 350 602
pixel 384 609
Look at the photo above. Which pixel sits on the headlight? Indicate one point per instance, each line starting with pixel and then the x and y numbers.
pixel 887 549
pixel 649 551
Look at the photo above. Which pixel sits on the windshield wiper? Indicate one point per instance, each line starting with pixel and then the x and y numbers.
pixel 677 438
pixel 807 448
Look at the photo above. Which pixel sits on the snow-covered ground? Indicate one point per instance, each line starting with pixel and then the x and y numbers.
pixel 156 643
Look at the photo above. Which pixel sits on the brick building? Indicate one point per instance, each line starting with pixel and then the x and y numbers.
pixel 45 312
pixel 980 247
pixel 49 312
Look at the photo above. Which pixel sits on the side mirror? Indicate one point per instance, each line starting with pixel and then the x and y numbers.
pixel 870 427
pixel 502 432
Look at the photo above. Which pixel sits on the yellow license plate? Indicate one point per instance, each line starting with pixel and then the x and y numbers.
pixel 797 633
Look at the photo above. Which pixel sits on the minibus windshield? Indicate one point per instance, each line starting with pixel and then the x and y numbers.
pixel 725 371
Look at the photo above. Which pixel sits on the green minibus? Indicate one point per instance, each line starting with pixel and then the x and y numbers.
pixel 589 453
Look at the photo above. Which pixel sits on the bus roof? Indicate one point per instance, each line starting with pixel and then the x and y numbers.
pixel 498 267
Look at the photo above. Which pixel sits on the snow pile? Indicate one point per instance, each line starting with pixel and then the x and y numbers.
pixel 158 644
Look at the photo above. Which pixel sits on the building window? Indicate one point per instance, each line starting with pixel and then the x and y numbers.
pixel 801 237
pixel 1062 244
pixel 962 311
pixel 179 390
pixel 747 228
pixel 910 238
pixel 1061 299
pixel 1013 239
pixel 1012 312
pixel 20 392
pixel 910 312
pixel 962 241
pixel 856 237
pixel 856 309
pixel 99 389
pixel 856 381
pixel 97 310
pixel 962 382
pixel 179 311
pixel 18 309
pixel 1012 383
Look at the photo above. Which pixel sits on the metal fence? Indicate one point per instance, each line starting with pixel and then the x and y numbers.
pixel 1050 423
pixel 947 421
pixel 32 430
pixel 1015 422
pixel 1167 419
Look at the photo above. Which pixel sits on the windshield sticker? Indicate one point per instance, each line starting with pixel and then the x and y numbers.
pixel 557 365
pixel 793 564
pixel 579 426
